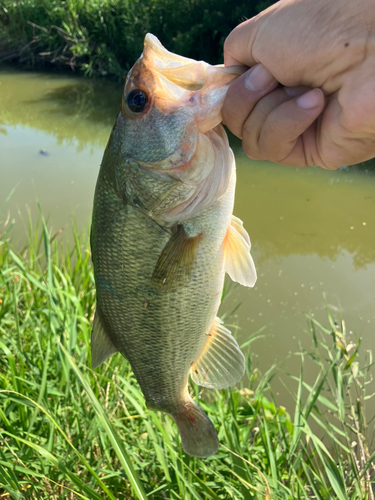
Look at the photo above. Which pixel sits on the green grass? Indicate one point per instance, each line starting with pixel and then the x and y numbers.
pixel 105 37
pixel 68 432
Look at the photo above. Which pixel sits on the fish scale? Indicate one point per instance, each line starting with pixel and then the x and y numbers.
pixel 176 316
pixel 163 236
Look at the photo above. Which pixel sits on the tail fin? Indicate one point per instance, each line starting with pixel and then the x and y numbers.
pixel 198 435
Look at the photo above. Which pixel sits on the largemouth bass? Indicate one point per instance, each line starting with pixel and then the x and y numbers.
pixel 163 236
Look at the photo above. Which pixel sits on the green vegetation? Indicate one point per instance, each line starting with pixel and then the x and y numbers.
pixel 67 431
pixel 105 37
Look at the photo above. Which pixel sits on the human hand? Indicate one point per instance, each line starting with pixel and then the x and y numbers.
pixel 324 55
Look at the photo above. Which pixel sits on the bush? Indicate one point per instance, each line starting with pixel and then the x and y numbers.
pixel 105 37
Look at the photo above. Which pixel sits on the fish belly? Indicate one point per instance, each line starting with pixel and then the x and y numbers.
pixel 161 332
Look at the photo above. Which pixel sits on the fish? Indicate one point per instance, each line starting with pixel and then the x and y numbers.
pixel 163 236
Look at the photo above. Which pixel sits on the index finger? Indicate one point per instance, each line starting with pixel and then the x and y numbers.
pixel 239 44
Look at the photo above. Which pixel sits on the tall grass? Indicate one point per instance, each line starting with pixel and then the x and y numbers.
pixel 104 37
pixel 67 431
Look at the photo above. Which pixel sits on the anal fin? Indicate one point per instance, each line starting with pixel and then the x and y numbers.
pixel 101 345
pixel 221 364
pixel 238 262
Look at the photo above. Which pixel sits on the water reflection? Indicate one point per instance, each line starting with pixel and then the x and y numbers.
pixel 311 211
pixel 71 109
pixel 297 211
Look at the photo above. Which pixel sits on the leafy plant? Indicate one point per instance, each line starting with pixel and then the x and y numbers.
pixel 105 37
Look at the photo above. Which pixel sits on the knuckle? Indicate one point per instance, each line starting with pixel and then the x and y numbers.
pixel 272 145
pixel 230 120
pixel 358 116
pixel 229 45
pixel 252 152
pixel 274 131
pixel 226 47
pixel 249 130
pixel 250 139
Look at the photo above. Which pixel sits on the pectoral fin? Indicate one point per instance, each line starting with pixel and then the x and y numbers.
pixel 238 262
pixel 101 345
pixel 175 263
pixel 221 364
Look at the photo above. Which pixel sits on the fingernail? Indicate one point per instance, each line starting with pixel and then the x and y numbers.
pixel 309 100
pixel 258 79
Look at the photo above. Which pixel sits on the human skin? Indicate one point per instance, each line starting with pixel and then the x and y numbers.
pixel 323 55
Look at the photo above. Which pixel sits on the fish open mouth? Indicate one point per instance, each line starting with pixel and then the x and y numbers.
pixel 174 81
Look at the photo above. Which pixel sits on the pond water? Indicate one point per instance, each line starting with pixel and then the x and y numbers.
pixel 312 231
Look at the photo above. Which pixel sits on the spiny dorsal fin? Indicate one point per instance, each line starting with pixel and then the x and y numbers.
pixel 238 262
pixel 221 364
pixel 176 261
pixel 101 345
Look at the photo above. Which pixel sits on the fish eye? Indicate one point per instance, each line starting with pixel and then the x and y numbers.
pixel 137 100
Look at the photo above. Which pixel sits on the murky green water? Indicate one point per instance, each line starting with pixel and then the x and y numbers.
pixel 313 232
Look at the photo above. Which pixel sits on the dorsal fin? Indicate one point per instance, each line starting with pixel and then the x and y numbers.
pixel 221 364
pixel 238 262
